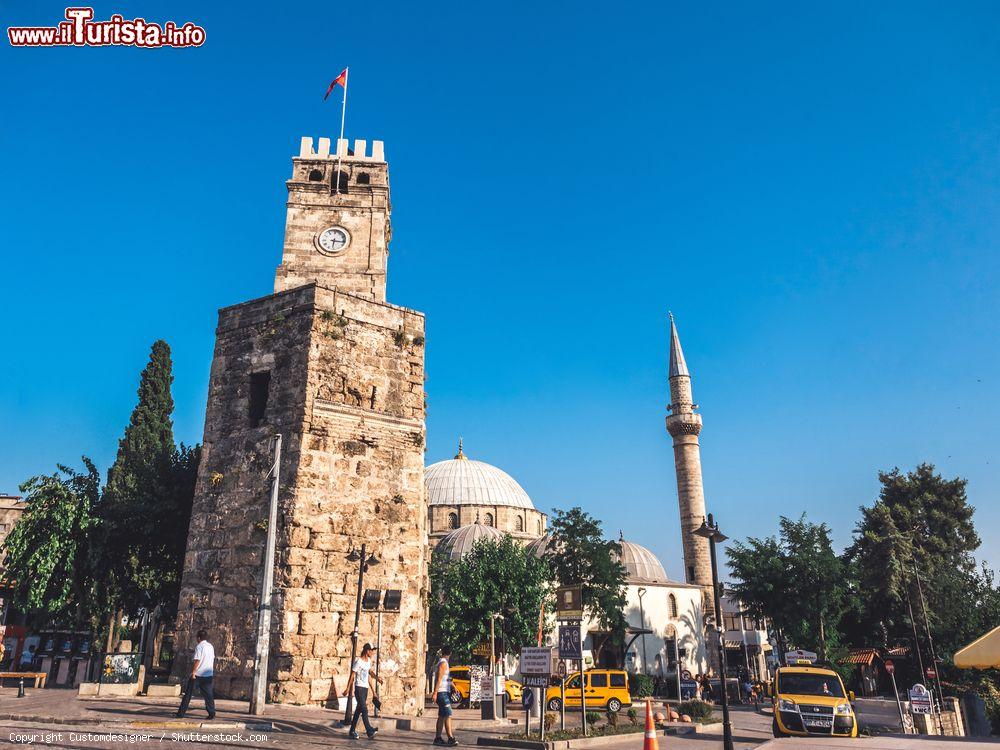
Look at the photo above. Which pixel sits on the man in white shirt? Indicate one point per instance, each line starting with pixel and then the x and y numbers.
pixel 202 672
pixel 360 673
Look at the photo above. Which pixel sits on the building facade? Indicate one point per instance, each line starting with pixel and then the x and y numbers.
pixel 338 372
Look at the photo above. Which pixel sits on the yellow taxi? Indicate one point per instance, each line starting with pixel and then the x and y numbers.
pixel 810 701
pixel 603 688
pixel 461 684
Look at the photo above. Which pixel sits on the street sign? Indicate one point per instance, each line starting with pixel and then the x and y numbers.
pixel 920 700
pixel 536 660
pixel 889 666
pixel 570 642
pixel 930 672
pixel 535 680
pixel 569 602
pixel 528 698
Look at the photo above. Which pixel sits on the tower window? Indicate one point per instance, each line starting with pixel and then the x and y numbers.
pixel 260 384
pixel 690 574
pixel 453 520
pixel 672 604
pixel 364 178
pixel 316 175
pixel 342 181
pixel 519 523
pixel 488 520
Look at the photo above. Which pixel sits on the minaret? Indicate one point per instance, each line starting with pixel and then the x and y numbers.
pixel 684 425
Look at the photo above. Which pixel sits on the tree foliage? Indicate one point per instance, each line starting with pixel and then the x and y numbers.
pixel 48 552
pixel 79 554
pixel 578 554
pixel 921 525
pixel 796 580
pixel 495 576
pixel 146 505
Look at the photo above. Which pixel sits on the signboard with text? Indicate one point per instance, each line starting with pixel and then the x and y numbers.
pixel 920 700
pixel 536 660
pixel 569 603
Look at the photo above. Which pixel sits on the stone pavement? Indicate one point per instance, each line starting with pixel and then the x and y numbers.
pixel 58 718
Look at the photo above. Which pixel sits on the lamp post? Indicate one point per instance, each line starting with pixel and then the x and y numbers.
pixel 710 531
pixel 642 626
pixel 364 561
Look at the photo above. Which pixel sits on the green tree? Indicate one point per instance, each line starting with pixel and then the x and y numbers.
pixel 495 576
pixel 796 580
pixel 920 525
pixel 579 554
pixel 142 509
pixel 48 552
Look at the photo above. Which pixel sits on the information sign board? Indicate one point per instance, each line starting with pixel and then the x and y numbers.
pixel 536 660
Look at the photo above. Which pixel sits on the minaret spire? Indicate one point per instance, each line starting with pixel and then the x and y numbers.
pixel 677 364
pixel 684 426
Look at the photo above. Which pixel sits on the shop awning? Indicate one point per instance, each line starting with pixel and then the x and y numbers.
pixel 733 644
pixel 982 653
pixel 861 656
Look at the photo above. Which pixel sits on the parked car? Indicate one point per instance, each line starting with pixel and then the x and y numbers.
pixel 461 686
pixel 603 688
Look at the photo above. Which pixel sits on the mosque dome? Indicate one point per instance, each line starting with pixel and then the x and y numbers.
pixel 538 547
pixel 462 481
pixel 460 542
pixel 641 565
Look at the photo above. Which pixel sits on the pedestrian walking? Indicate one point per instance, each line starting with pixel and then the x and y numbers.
pixel 202 672
pixel 359 680
pixel 442 696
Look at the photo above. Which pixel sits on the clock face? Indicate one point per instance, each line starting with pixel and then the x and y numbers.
pixel 333 240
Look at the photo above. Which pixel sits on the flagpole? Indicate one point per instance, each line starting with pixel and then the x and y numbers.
pixel 343 116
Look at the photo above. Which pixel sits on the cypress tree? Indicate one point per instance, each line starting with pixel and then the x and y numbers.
pixel 138 498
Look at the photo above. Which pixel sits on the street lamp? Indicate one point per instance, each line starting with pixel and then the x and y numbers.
pixel 642 626
pixel 710 531
pixel 364 561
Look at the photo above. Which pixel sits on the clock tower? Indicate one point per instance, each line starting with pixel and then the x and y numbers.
pixel 337 227
pixel 337 372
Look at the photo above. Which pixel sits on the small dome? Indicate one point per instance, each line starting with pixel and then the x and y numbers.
pixel 539 547
pixel 461 481
pixel 460 542
pixel 641 565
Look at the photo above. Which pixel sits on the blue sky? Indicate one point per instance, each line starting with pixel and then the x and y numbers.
pixel 811 189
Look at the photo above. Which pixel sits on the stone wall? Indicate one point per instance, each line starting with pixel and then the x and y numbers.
pixel 346 392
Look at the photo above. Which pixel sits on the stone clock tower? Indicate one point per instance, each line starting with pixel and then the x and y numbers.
pixel 338 372
pixel 337 228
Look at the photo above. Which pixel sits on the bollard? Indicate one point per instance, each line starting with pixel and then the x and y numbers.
pixel 20 688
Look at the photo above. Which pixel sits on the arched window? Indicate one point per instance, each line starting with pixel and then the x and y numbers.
pixel 672 604
pixel 342 182
pixel 364 178
pixel 519 524
pixel 538 526
pixel 316 175
pixel 453 520
pixel 488 519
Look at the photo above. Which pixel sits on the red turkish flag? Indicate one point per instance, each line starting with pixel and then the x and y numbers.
pixel 341 79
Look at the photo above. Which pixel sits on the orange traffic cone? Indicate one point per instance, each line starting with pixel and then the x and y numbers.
pixel 650 742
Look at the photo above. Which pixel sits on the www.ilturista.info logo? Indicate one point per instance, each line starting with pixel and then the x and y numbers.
pixel 80 30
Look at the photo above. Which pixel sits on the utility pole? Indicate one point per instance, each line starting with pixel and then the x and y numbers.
pixel 709 530
pixel 930 643
pixel 258 693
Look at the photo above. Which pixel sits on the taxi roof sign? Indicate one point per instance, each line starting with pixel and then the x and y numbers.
pixel 800 657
